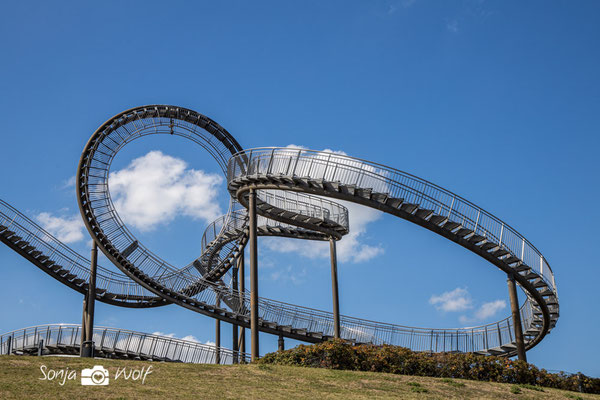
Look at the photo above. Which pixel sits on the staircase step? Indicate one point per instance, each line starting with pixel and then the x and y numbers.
pixel 451 225
pixel 500 252
pixel 476 238
pixel 394 202
pixel 462 232
pixel 438 219
pixel 511 259
pixel 364 192
pixel 488 246
pixel 348 189
pixel 379 197
pixel 409 207
pixel 424 213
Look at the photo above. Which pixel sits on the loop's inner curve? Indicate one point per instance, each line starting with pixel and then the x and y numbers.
pixel 307 173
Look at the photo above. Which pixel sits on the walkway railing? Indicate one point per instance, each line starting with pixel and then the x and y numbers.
pixel 332 167
pixel 113 282
pixel 118 343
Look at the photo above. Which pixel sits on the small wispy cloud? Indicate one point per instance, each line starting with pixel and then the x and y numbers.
pixel 484 312
pixel 289 274
pixel 67 229
pixel 490 309
pixel 68 183
pixel 458 299
pixel 452 25
pixel 189 338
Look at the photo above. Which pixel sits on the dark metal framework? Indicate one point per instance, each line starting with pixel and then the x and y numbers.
pixel 283 190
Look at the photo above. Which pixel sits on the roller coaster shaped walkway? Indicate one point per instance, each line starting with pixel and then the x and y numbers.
pixel 294 190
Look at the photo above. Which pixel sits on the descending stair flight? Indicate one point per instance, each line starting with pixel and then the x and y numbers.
pixel 296 189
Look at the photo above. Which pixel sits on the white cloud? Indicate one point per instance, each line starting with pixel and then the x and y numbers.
pixel 289 274
pixel 455 300
pixel 65 229
pixel 490 309
pixel 155 188
pixel 189 338
pixel 350 248
pixel 68 183
pixel 485 311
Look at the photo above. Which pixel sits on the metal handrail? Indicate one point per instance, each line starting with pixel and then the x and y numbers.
pixel 119 341
pixel 394 182
pixel 112 282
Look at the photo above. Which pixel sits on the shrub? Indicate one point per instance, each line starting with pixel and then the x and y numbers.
pixel 337 354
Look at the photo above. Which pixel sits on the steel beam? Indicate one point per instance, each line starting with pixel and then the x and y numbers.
pixel 253 278
pixel 83 322
pixel 242 290
pixel 88 345
pixel 234 335
pixel 516 316
pixel 334 289
pixel 218 335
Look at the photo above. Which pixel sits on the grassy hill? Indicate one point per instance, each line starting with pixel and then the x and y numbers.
pixel 20 378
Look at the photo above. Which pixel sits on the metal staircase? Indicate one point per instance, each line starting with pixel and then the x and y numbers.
pixel 294 188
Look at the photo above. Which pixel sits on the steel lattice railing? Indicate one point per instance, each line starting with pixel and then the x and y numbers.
pixel 120 343
pixel 347 170
pixel 113 282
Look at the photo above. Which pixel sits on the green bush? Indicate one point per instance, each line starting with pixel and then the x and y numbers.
pixel 337 354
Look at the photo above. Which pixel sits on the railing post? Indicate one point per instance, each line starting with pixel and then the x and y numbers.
pixel 514 305
pixel 296 163
pixel 253 278
pixel 451 205
pixel 9 345
pixel 40 347
pixel 334 289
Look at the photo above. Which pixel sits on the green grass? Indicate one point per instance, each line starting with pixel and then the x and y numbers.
pixel 20 379
pixel 452 383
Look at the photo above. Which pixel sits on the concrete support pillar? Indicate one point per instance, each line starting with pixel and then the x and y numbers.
pixel 516 316
pixel 88 345
pixel 253 277
pixel 242 290
pixel 280 344
pixel 334 289
pixel 218 335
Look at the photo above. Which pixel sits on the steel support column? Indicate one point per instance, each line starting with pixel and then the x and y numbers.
pixel 88 347
pixel 280 344
pixel 253 277
pixel 234 335
pixel 218 335
pixel 83 322
pixel 334 289
pixel 516 316
pixel 242 290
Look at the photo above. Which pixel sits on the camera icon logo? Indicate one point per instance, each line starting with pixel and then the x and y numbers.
pixel 97 376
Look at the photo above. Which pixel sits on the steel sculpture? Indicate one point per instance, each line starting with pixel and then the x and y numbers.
pixel 282 192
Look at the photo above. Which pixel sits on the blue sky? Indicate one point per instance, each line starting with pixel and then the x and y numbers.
pixel 496 101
